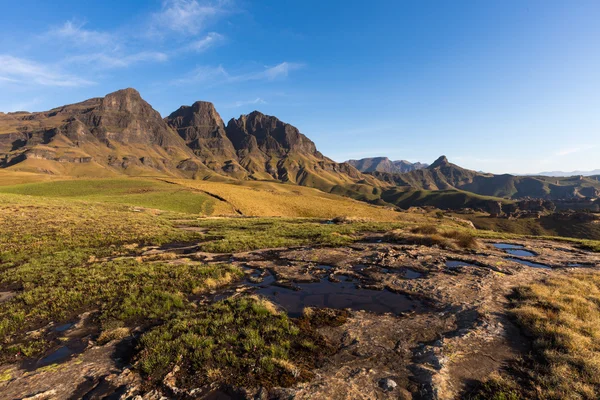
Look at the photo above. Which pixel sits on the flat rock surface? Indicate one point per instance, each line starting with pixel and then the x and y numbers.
pixel 459 333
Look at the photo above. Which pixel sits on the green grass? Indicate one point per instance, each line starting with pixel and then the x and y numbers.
pixel 135 192
pixel 244 342
pixel 242 234
pixel 50 256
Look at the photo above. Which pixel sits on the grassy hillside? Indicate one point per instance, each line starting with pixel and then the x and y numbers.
pixel 249 198
pixel 544 226
pixel 443 199
pixel 273 199
pixel 134 192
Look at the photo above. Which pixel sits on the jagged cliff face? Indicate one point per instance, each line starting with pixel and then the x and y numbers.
pixel 203 131
pixel 120 133
pixel 271 149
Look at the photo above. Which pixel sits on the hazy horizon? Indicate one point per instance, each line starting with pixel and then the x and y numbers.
pixel 502 87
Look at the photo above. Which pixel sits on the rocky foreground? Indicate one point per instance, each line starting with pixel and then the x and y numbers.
pixel 422 322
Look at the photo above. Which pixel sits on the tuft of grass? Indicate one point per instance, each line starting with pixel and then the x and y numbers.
pixel 243 342
pixel 429 235
pixel 425 230
pixel 112 334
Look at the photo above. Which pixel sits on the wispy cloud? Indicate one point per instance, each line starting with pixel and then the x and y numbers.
pixel 572 150
pixel 108 61
pixel 567 151
pixel 188 17
pixel 218 75
pixel 74 32
pixel 23 71
pixel 210 40
pixel 279 71
pixel 242 103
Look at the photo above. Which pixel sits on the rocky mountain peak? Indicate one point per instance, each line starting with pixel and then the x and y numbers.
pixel 440 162
pixel 201 114
pixel 128 100
pixel 269 133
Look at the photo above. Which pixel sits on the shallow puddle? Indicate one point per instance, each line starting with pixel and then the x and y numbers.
pixel 508 246
pixel 412 274
pixel 514 249
pixel 529 263
pixel 340 295
pixel 520 253
pixel 64 327
pixel 453 264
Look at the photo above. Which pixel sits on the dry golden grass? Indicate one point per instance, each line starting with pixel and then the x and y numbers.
pixel 430 235
pixel 9 177
pixel 271 199
pixel 112 334
pixel 562 315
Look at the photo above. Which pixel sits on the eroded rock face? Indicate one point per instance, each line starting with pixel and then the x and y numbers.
pixel 203 130
pixel 120 125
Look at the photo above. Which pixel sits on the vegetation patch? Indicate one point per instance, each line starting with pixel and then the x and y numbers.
pixel 430 235
pixel 63 258
pixel 244 341
pixel 562 316
pixel 243 234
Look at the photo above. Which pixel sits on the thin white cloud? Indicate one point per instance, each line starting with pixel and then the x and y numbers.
pixel 210 40
pixel 23 71
pixel 188 17
pixel 567 151
pixel 258 100
pixel 218 75
pixel 75 33
pixel 572 150
pixel 108 61
pixel 280 71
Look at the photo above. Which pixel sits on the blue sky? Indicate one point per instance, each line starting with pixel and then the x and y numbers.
pixel 500 86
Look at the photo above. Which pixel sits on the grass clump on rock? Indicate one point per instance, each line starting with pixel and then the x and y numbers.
pixel 430 235
pixel 244 341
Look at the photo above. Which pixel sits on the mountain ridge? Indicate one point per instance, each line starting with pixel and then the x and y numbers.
pixel 121 133
pixel 384 164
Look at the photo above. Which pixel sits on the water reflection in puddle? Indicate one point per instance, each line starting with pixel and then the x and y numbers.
pixel 529 263
pixel 520 253
pixel 508 246
pixel 412 274
pixel 514 249
pixel 338 295
pixel 453 264
pixel 64 327
pixel 58 355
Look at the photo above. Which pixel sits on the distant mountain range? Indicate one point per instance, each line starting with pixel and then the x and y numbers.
pixel 572 173
pixel 384 164
pixel 121 134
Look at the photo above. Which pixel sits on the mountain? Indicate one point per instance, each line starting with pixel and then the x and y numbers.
pixel 572 173
pixel 384 164
pixel 203 131
pixel 122 134
pixel 443 175
pixel 119 133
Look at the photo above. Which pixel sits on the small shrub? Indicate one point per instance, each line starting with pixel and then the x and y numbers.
pixel 425 230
